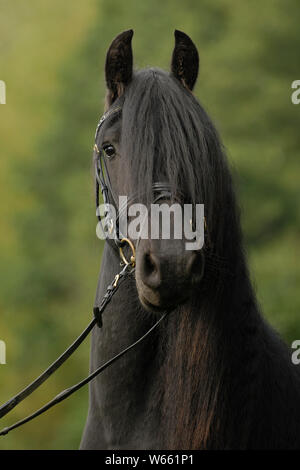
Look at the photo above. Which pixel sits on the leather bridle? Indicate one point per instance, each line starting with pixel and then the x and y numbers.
pixel 160 190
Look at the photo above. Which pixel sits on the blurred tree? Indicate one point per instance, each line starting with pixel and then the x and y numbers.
pixel 249 58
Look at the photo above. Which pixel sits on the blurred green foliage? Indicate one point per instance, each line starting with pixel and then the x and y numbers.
pixel 51 58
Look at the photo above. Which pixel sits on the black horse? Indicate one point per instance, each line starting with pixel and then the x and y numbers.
pixel 214 375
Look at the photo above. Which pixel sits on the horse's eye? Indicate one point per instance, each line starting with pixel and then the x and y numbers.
pixel 109 150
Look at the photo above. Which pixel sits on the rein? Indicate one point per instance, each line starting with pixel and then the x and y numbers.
pixel 127 269
pixel 10 405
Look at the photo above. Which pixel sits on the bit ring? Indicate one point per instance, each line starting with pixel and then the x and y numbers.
pixel 132 257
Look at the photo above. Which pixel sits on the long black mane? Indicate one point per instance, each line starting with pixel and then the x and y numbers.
pixel 166 135
pixel 220 333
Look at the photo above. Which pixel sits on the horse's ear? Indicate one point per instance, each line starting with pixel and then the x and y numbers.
pixel 118 66
pixel 185 60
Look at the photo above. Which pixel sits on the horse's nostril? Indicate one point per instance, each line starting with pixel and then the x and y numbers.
pixel 149 264
pixel 151 271
pixel 157 272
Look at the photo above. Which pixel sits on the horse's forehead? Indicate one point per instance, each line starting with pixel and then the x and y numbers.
pixel 113 131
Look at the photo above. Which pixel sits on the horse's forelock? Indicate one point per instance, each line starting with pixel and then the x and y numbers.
pixel 167 136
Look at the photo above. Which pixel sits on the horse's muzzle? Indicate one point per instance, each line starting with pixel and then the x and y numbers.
pixel 166 273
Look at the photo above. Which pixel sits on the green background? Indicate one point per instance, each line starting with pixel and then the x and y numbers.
pixel 51 57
